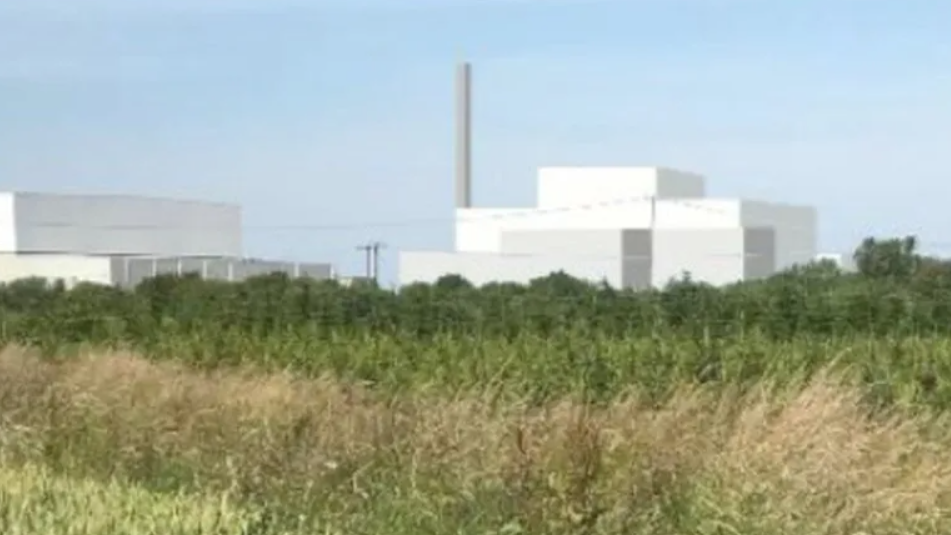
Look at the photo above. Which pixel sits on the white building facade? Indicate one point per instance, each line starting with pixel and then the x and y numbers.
pixel 629 226
pixel 122 240
pixel 117 225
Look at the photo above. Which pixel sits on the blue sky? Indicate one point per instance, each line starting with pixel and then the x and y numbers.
pixel 338 113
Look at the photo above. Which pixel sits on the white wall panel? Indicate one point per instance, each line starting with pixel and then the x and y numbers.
pixel 715 256
pixel 483 268
pixel 590 243
pixel 845 261
pixel 480 230
pixel 571 186
pixel 8 237
pixel 697 213
pixel 99 224
pixel 72 269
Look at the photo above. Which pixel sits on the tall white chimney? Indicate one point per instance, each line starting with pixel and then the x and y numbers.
pixel 464 135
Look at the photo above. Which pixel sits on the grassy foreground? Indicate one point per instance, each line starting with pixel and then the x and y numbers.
pixel 35 501
pixel 112 443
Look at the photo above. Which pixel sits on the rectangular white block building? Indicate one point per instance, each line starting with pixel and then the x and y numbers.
pixel 117 224
pixel 122 240
pixel 633 227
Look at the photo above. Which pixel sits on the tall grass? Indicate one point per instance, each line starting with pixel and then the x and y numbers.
pixel 804 456
pixel 36 501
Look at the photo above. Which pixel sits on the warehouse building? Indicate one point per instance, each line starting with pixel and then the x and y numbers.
pixel 122 240
pixel 634 227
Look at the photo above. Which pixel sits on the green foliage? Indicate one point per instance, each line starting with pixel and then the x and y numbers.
pixel 411 463
pixel 553 335
pixel 893 258
pixel 896 292
pixel 36 501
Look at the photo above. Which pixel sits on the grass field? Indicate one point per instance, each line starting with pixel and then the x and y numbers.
pixel 114 443
pixel 36 501
pixel 814 403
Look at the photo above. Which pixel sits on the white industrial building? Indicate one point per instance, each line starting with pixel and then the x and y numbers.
pixel 121 240
pixel 631 227
pixel 628 226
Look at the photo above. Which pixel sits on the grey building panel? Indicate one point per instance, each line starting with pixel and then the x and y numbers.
pixel 128 271
pixel 676 184
pixel 132 271
pixel 464 136
pixel 166 266
pixel 254 268
pixel 219 268
pixel 118 271
pixel 139 269
pixel 315 271
pixel 637 243
pixel 125 225
pixel 760 248
pixel 636 273
pixel 795 226
pixel 192 266
pixel 638 252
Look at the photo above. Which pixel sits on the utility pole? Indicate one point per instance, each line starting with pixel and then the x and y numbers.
pixel 372 252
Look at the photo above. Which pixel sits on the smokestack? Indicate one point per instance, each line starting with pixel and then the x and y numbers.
pixel 464 135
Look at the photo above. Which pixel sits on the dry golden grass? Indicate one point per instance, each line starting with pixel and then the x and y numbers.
pixel 804 460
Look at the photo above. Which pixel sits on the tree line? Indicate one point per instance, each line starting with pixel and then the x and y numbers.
pixel 895 291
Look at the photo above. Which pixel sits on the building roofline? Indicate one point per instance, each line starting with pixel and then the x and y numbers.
pixel 120 196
